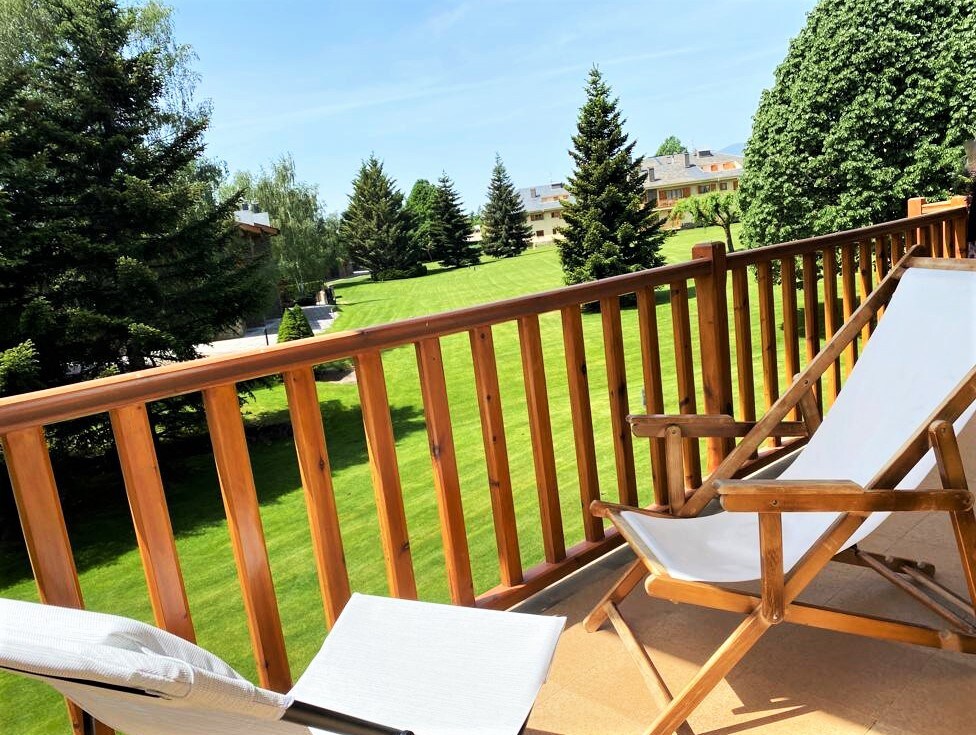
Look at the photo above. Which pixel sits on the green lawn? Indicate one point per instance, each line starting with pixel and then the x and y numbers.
pixel 109 565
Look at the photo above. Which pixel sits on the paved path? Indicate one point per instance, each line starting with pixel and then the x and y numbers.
pixel 319 317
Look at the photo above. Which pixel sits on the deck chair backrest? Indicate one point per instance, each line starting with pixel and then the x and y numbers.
pixel 924 345
pixel 197 691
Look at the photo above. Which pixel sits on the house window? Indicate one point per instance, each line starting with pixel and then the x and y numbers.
pixel 704 188
pixel 673 194
pixel 735 184
pixel 557 215
pixel 724 185
pixel 537 217
pixel 540 233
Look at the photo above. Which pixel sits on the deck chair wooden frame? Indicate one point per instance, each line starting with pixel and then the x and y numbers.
pixel 777 601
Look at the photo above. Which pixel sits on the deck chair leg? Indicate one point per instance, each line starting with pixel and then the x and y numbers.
pixel 715 669
pixel 600 612
pixel 964 527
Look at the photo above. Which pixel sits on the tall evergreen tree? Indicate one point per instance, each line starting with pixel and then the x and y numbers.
pixel 450 228
pixel 504 230
pixel 608 229
pixel 376 228
pixel 420 206
pixel 116 253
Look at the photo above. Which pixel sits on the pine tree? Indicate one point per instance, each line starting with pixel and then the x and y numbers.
pixel 420 204
pixel 376 228
pixel 294 325
pixel 116 254
pixel 608 229
pixel 450 228
pixel 505 232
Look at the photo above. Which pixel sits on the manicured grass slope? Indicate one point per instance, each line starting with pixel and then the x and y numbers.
pixel 108 560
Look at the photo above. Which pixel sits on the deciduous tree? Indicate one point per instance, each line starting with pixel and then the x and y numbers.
pixel 718 209
pixel 671 146
pixel 870 107
pixel 609 230
pixel 420 207
pixel 504 230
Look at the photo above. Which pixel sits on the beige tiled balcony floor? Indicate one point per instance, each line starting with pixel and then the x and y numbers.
pixel 796 681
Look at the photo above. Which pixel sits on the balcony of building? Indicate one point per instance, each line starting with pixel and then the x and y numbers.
pixel 717 334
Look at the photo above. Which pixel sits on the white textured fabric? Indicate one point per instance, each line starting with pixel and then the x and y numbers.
pixel 923 347
pixel 435 668
pixel 432 669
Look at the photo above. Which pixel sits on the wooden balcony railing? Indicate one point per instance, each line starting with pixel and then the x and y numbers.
pixel 836 272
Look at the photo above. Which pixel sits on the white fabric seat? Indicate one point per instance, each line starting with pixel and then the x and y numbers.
pixel 924 345
pixel 432 669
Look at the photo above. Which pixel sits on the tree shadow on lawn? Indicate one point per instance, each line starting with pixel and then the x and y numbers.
pixel 96 508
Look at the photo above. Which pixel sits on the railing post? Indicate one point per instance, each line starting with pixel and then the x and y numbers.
pixel 915 207
pixel 960 228
pixel 713 330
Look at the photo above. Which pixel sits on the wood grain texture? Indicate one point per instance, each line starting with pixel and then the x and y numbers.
pixel 316 474
pixel 247 536
pixel 767 335
pixel 850 303
pixel 743 344
pixel 791 332
pixel 496 455
pixel 381 446
pixel 684 369
pixel 574 347
pixel 540 434
pixel 447 486
pixel 623 448
pixel 150 517
pixel 713 335
pixel 653 388
pixel 811 318
pixel 831 322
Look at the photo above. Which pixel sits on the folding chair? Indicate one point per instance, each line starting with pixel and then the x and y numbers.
pixel 413 666
pixel 913 386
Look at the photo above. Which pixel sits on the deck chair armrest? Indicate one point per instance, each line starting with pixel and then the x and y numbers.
pixel 838 496
pixel 603 509
pixel 698 426
pixel 309 715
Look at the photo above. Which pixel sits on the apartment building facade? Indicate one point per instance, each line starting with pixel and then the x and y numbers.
pixel 667 179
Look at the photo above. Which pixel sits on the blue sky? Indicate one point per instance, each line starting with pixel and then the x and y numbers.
pixel 432 86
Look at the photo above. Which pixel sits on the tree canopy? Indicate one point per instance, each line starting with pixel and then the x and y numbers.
pixel 717 208
pixel 307 249
pixel 117 253
pixel 420 207
pixel 504 231
pixel 671 146
pixel 608 229
pixel 870 107
pixel 450 228
pixel 376 228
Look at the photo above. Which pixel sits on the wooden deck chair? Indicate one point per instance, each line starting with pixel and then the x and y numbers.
pixel 412 666
pixel 912 388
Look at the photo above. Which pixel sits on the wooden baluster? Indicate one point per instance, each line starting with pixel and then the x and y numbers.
pixel 880 258
pixel 831 323
pixel 897 247
pixel 496 455
pixel 811 318
pixel 767 333
pixel 959 228
pixel 45 534
pixel 685 375
pixel 540 433
pixel 936 234
pixel 247 535
pixel 381 445
pixel 743 344
pixel 582 416
pixel 847 269
pixel 864 281
pixel 150 517
pixel 623 448
pixel 711 294
pixel 915 206
pixel 440 435
pixel 653 389
pixel 791 332
pixel 313 464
